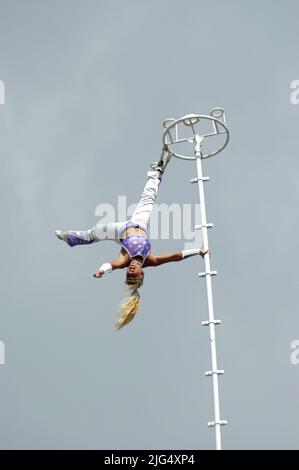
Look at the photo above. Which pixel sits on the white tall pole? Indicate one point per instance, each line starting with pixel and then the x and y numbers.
pixel 214 372
pixel 172 139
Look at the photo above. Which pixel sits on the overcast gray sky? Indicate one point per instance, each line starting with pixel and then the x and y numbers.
pixel 87 87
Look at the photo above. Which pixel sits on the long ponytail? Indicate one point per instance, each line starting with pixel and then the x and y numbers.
pixel 129 306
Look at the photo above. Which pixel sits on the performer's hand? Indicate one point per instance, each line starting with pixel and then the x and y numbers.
pixel 98 274
pixel 203 252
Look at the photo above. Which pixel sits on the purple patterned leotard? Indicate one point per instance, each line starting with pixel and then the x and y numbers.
pixel 135 245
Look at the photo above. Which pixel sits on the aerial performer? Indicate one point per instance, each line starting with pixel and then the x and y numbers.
pixel 132 236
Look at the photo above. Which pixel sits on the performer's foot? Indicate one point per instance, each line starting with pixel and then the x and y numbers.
pixel 157 166
pixel 164 160
pixel 62 235
pixel 72 238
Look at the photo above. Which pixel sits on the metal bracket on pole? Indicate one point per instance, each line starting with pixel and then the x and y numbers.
pixel 199 227
pixel 212 424
pixel 208 273
pixel 192 125
pixel 203 178
pixel 209 373
pixel 212 322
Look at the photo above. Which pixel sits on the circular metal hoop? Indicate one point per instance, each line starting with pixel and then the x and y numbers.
pixel 191 120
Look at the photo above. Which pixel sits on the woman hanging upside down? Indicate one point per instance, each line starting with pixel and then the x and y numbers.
pixel 135 253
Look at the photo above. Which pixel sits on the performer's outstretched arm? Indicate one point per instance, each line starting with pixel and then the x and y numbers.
pixel 157 260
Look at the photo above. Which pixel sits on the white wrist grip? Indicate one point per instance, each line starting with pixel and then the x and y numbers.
pixel 106 267
pixel 187 253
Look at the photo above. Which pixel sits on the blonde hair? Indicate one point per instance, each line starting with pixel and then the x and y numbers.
pixel 129 306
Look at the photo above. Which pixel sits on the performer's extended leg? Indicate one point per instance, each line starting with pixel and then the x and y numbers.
pixel 100 232
pixel 145 206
